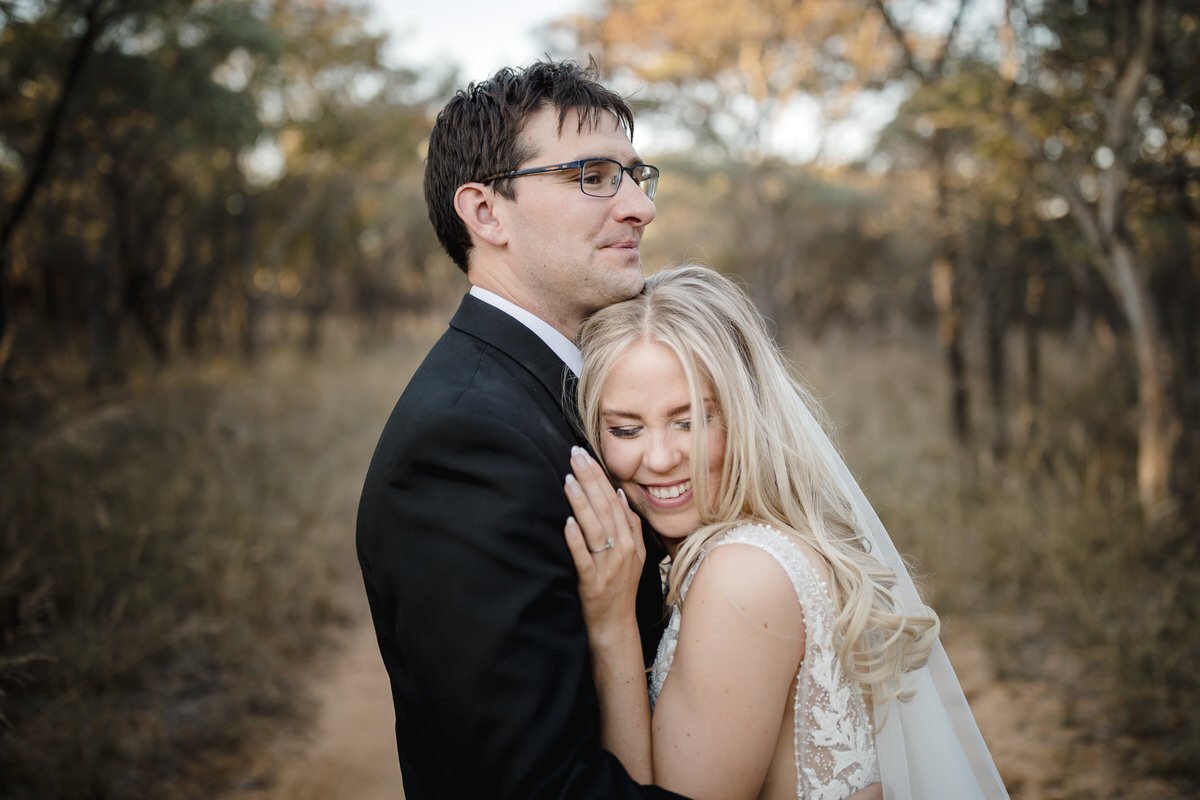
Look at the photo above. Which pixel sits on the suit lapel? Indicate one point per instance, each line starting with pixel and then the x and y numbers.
pixel 522 346
pixel 544 372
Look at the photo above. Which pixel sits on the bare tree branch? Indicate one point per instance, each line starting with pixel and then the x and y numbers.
pixel 939 65
pixel 94 24
pixel 936 70
pixel 1129 85
pixel 897 32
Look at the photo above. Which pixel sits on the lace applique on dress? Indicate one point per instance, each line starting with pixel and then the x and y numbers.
pixel 834 744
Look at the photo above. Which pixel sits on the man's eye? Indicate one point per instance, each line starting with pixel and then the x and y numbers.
pixel 624 433
pixel 593 178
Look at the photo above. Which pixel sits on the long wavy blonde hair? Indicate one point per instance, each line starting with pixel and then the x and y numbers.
pixel 776 466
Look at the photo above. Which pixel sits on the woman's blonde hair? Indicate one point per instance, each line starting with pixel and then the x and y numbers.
pixel 776 468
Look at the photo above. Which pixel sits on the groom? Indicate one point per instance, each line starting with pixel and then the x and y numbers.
pixel 536 193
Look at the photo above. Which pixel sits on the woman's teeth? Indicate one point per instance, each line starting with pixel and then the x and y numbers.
pixel 668 492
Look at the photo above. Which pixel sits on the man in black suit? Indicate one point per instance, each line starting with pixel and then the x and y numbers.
pixel 536 192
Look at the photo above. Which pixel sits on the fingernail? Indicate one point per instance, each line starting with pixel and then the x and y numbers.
pixel 624 499
pixel 572 523
pixel 572 485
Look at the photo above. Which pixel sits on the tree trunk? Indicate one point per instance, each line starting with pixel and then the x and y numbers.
pixel 995 318
pixel 6 331
pixel 950 325
pixel 1104 229
pixel 947 298
pixel 1031 315
pixel 93 25
pixel 102 325
pixel 1159 426
pixel 245 264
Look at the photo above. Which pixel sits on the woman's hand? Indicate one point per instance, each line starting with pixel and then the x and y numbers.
pixel 605 539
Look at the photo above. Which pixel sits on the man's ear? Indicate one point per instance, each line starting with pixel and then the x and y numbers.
pixel 474 203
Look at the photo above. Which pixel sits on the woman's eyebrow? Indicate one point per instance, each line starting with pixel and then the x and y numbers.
pixel 672 412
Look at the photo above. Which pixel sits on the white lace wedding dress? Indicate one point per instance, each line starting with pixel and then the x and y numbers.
pixel 834 745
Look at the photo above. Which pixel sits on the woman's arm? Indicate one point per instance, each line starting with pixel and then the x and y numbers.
pixel 605 539
pixel 740 645
pixel 741 641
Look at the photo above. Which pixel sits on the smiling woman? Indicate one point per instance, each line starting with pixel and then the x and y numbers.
pixel 798 652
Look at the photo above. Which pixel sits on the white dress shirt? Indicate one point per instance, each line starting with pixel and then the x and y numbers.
pixel 563 347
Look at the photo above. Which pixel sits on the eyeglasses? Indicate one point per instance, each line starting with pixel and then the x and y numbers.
pixel 598 177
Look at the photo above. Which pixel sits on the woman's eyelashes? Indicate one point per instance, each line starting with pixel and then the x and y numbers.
pixel 626 432
pixel 631 431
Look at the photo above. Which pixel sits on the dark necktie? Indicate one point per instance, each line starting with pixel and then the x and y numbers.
pixel 570 408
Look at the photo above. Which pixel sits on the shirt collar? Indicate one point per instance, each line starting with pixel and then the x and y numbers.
pixel 563 347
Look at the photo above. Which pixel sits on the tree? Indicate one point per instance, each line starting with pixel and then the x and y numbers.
pixel 155 213
pixel 96 16
pixel 945 269
pixel 1096 95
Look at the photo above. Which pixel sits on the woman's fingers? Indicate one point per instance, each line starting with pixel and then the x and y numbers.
pixel 600 494
pixel 592 525
pixel 585 565
pixel 610 533
pixel 608 552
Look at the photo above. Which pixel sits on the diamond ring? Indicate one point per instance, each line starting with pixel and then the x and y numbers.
pixel 608 545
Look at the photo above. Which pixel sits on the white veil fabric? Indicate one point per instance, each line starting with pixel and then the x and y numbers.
pixel 929 746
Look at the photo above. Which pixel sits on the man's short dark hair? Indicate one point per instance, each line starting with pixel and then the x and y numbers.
pixel 478 134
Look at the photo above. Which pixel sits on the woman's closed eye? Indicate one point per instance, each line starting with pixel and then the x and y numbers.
pixel 630 431
pixel 625 431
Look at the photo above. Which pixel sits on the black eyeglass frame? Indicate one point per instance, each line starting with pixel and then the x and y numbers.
pixel 583 162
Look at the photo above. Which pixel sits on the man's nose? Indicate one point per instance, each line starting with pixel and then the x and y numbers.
pixel 632 205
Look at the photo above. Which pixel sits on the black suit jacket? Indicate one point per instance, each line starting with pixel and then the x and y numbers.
pixel 471 586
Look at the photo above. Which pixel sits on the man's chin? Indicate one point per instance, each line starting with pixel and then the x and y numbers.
pixel 636 287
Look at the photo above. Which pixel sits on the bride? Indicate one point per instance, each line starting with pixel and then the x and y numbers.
pixel 799 661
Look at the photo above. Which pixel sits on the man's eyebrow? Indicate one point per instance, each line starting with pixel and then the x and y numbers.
pixel 637 160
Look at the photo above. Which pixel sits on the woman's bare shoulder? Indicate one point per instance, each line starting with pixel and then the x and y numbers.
pixel 750 581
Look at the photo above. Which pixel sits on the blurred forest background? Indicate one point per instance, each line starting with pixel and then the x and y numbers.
pixel 216 273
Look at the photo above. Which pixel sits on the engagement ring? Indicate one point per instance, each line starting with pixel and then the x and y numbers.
pixel 608 545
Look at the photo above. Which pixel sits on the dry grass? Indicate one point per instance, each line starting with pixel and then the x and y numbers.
pixel 168 552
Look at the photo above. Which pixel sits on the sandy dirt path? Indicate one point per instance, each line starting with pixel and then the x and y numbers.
pixel 350 749
pixel 1046 734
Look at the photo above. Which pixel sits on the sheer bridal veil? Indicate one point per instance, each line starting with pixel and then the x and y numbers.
pixel 929 746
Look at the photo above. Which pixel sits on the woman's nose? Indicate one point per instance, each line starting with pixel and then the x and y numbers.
pixel 665 452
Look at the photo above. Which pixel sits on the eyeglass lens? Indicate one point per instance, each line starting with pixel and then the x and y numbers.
pixel 602 177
